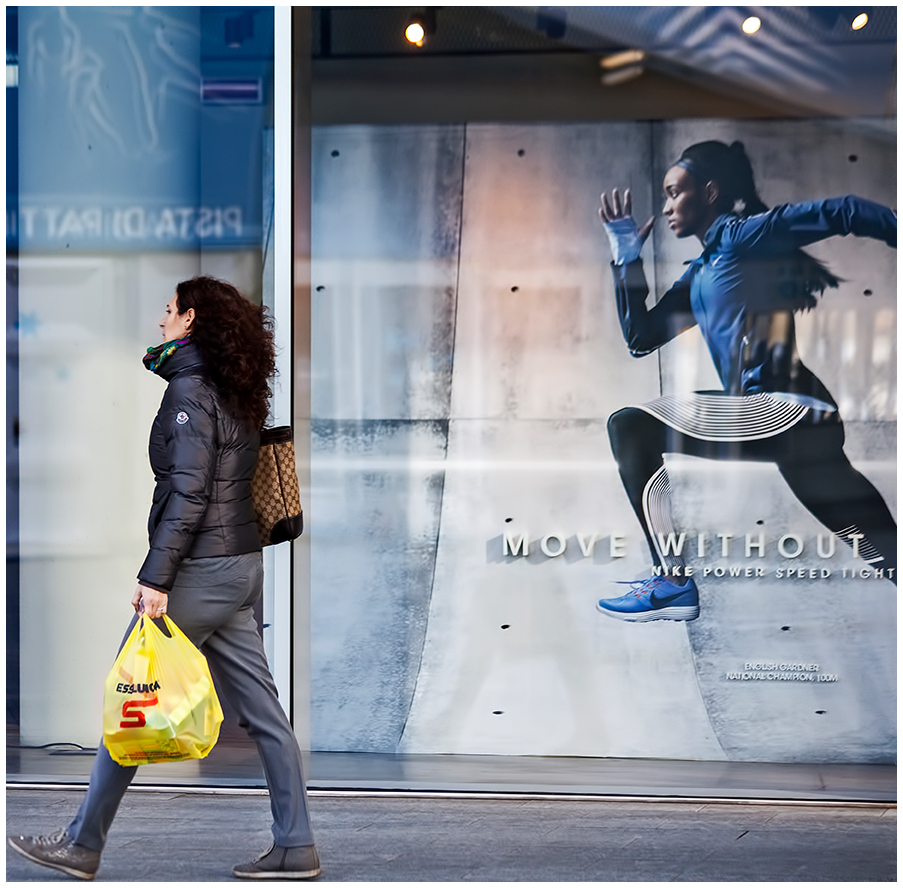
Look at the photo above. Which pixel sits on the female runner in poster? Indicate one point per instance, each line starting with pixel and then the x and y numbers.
pixel 742 292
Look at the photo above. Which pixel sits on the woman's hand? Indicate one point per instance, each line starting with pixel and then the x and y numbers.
pixel 149 601
pixel 625 238
pixel 613 209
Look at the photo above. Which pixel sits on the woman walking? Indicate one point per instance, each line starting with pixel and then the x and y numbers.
pixel 742 293
pixel 204 566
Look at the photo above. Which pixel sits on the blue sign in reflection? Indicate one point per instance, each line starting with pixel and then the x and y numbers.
pixel 127 138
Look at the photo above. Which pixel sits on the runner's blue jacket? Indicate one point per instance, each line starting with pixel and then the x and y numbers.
pixel 739 284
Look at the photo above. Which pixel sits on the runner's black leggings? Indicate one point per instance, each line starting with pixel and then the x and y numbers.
pixel 809 455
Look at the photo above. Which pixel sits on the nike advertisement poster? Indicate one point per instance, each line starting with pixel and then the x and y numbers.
pixel 604 440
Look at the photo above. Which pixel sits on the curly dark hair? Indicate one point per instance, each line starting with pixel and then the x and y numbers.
pixel 235 339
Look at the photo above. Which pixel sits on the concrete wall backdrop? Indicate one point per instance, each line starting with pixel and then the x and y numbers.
pixel 385 240
pixel 466 357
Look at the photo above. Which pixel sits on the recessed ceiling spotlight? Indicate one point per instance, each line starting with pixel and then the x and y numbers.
pixel 752 24
pixel 414 33
pixel 420 26
pixel 860 21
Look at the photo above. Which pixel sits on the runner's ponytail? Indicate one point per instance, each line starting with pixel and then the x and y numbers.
pixel 729 167
pixel 744 183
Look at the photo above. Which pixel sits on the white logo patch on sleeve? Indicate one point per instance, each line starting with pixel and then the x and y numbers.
pixel 182 418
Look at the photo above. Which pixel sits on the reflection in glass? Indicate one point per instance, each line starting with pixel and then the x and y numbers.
pixel 137 147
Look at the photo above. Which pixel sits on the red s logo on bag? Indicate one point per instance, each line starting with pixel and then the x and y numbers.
pixel 132 718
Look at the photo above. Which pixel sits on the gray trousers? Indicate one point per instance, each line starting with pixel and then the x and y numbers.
pixel 211 602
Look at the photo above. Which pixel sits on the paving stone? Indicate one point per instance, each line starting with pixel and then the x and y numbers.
pixel 196 837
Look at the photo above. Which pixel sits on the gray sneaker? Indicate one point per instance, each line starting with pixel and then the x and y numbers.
pixel 281 863
pixel 59 852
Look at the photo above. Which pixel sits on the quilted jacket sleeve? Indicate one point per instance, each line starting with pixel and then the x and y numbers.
pixel 189 430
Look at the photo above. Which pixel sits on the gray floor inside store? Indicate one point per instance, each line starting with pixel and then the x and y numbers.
pixel 183 836
pixel 238 766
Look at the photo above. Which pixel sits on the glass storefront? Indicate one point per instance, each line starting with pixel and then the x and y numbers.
pixel 451 355
pixel 143 139
pixel 468 511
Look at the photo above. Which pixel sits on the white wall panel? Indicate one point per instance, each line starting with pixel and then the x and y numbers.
pixel 385 229
pixel 844 710
pixel 376 494
pixel 537 333
pixel 561 679
pixel 385 226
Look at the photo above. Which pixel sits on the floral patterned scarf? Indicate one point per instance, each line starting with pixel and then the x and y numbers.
pixel 157 354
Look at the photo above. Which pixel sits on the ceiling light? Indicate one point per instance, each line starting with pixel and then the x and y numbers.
pixel 621 75
pixel 751 25
pixel 420 26
pixel 860 21
pixel 622 59
pixel 414 33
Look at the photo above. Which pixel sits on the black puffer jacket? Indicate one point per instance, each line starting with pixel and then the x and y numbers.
pixel 203 461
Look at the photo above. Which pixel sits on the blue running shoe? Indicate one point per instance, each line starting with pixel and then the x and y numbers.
pixel 654 599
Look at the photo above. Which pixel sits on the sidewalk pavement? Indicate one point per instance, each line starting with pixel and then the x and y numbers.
pixel 182 836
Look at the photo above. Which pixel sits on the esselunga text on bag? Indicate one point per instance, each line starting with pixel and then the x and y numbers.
pixel 159 701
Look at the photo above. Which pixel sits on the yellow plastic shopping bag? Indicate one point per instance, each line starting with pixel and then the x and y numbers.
pixel 159 701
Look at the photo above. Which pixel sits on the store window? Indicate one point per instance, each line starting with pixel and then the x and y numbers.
pixel 471 524
pixel 140 153
pixel 457 355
